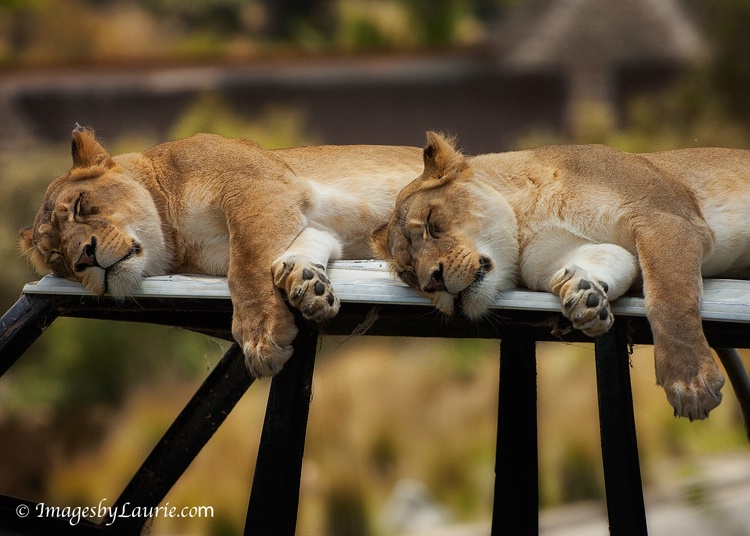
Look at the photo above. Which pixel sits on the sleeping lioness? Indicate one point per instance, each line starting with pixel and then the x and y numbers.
pixel 268 220
pixel 587 223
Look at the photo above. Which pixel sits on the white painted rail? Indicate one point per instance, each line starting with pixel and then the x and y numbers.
pixel 371 282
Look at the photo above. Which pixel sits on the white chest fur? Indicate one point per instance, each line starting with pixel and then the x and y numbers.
pixel 206 235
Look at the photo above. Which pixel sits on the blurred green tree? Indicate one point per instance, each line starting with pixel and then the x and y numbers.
pixel 727 23
pixel 287 17
pixel 437 19
pixel 224 16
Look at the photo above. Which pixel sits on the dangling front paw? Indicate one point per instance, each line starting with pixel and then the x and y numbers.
pixel 265 333
pixel 584 300
pixel 307 287
pixel 693 391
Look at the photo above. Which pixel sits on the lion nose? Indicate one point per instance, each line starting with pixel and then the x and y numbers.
pixel 485 266
pixel 436 282
pixel 88 257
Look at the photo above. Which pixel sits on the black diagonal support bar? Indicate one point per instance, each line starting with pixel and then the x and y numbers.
pixel 22 325
pixel 516 503
pixel 184 439
pixel 622 472
pixel 274 498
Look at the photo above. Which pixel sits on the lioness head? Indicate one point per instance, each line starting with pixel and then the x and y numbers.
pixel 452 237
pixel 97 224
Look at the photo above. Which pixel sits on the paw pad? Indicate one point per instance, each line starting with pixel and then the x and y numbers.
pixel 307 287
pixel 585 304
pixel 584 300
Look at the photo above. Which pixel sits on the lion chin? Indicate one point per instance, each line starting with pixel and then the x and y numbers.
pixel 473 301
pixel 117 281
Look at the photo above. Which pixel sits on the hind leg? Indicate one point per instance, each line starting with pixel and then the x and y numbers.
pixel 592 275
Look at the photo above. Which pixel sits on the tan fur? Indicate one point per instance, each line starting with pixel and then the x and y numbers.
pixel 269 220
pixel 586 223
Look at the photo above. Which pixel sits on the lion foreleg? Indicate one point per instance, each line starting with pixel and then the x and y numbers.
pixel 262 222
pixel 262 324
pixel 670 252
pixel 300 273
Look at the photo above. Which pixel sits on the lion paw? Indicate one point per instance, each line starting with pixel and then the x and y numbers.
pixel 307 287
pixel 265 338
pixel 694 396
pixel 584 301
pixel 265 358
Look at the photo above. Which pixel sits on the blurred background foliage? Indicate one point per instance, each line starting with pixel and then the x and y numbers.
pixel 38 32
pixel 86 404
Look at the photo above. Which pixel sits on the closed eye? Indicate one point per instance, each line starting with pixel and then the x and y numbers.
pixel 77 206
pixel 431 228
pixel 409 277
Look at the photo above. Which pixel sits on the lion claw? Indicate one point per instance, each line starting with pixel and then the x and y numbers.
pixel 695 398
pixel 265 335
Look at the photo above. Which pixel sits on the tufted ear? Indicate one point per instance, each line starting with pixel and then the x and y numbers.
pixel 26 239
pixel 441 159
pixel 86 150
pixel 30 251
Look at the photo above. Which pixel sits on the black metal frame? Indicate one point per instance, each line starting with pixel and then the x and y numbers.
pixel 274 498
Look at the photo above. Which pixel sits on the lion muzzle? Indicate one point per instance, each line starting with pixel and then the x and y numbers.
pixel 87 258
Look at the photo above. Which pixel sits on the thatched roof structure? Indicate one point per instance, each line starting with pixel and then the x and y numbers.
pixel 590 42
pixel 558 34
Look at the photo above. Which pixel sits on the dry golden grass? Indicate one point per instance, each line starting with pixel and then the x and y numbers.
pixel 386 409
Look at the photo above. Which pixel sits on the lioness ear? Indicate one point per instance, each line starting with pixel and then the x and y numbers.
pixel 30 251
pixel 441 159
pixel 379 242
pixel 86 150
pixel 26 241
